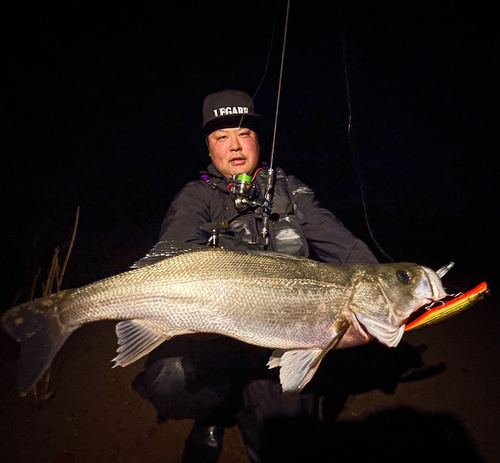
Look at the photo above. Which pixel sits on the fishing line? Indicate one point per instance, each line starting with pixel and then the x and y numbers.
pixel 279 84
pixel 268 54
pixel 280 77
pixel 273 144
pixel 350 142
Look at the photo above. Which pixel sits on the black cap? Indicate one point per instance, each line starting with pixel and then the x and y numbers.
pixel 229 108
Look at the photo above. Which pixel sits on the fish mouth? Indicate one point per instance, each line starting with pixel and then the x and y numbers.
pixel 430 288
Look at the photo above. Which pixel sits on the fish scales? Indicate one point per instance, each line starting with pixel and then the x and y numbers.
pixel 282 302
pixel 158 292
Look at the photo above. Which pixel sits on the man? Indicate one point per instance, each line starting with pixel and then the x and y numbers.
pixel 219 382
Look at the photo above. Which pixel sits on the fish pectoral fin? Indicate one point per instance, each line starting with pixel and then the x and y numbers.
pixel 298 366
pixel 136 338
pixel 385 333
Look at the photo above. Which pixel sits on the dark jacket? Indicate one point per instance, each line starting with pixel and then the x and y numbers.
pixel 204 204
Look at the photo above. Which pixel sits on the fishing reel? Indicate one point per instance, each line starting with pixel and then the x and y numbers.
pixel 243 190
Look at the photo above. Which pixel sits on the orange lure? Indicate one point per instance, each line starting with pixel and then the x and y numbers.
pixel 450 308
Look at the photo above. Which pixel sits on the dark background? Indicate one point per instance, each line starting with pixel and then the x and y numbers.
pixel 102 110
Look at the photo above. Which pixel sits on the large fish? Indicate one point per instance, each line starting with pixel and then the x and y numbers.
pixel 300 307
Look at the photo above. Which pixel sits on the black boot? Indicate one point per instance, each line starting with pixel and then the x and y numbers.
pixel 204 444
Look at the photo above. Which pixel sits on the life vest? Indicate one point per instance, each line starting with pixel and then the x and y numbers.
pixel 244 227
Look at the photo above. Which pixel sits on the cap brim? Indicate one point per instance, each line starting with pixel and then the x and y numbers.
pixel 249 121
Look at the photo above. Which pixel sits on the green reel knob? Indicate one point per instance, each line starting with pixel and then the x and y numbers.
pixel 244 178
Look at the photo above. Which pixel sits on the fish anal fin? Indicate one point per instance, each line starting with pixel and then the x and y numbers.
pixel 298 366
pixel 136 338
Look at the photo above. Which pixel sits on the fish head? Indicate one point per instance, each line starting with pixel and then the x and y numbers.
pixel 385 295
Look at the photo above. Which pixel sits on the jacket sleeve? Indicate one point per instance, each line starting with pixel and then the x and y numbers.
pixel 189 210
pixel 326 235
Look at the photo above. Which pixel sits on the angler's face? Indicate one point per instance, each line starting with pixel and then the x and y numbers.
pixel 234 151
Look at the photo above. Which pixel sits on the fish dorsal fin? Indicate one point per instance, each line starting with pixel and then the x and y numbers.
pixel 135 339
pixel 281 255
pixel 385 333
pixel 165 250
pixel 299 365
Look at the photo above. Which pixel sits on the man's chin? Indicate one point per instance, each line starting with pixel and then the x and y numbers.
pixel 241 169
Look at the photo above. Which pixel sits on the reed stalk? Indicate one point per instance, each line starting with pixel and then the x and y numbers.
pixel 52 284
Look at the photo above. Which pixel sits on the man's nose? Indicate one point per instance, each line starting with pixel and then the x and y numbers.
pixel 235 143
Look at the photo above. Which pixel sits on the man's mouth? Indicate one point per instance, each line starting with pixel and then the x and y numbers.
pixel 237 161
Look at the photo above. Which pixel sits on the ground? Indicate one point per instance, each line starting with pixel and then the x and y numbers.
pixel 435 398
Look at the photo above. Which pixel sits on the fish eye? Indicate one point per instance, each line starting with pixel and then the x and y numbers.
pixel 403 276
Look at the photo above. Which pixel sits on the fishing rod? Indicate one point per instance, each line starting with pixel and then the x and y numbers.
pixel 241 185
pixel 268 197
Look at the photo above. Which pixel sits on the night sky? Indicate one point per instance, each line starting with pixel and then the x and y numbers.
pixel 102 110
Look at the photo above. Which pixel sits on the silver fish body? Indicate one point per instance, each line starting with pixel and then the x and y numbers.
pixel 299 306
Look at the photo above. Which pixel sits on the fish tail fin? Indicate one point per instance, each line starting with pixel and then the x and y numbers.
pixel 35 326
